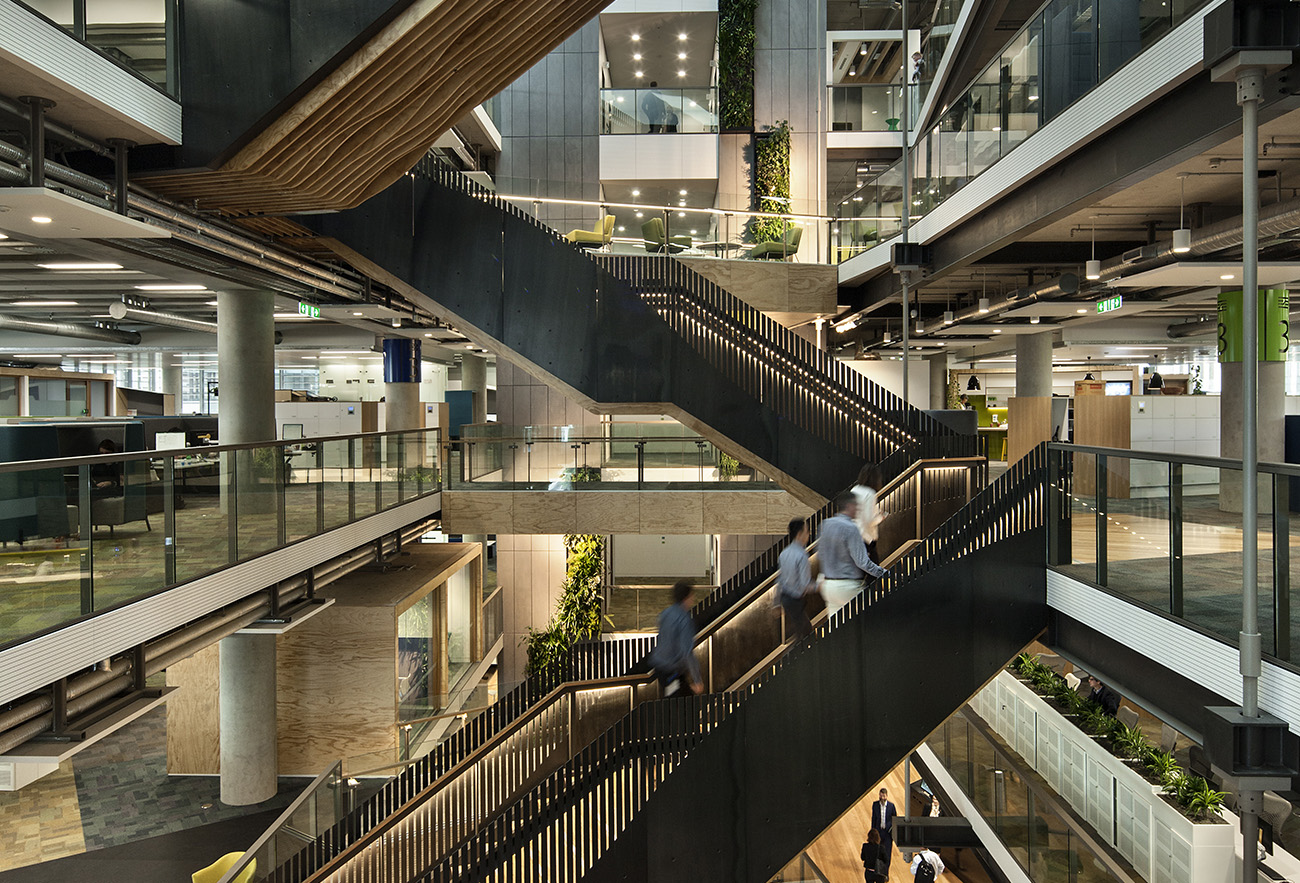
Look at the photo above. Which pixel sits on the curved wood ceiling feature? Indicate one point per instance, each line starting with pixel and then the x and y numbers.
pixel 372 119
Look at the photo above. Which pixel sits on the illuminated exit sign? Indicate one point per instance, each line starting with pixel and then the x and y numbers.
pixel 306 309
pixel 1110 304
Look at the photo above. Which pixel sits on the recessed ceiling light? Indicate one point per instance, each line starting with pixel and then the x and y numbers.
pixel 997 330
pixel 693 232
pixel 622 229
pixel 4 236
pixel 358 314
pixel 41 219
pixel 681 202
pixel 1226 276
pixel 1081 310
pixel 681 56
pixel 636 37
pixel 636 56
pixel 166 287
pixel 681 36
pixel 681 214
pixel 210 303
pixel 681 192
pixel 636 192
pixel 79 265
pixel 681 73
pixel 639 215
pixel 43 303
pixel 640 74
pixel 428 334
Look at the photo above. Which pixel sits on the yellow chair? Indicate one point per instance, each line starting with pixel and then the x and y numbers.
pixel 600 237
pixel 215 871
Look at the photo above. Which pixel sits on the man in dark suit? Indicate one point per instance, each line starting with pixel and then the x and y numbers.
pixel 1104 696
pixel 882 822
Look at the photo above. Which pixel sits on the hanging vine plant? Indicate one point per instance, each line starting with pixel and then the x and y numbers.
pixel 577 614
pixel 772 182
pixel 736 63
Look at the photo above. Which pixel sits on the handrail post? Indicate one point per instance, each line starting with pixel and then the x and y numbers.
pixel 1175 539
pixel 87 529
pixel 169 520
pixel 1101 520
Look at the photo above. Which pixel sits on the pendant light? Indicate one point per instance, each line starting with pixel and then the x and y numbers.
pixel 973 383
pixel 1092 269
pixel 1182 236
pixel 947 317
pixel 984 304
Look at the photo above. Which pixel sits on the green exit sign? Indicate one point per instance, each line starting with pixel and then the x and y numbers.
pixel 306 309
pixel 1110 304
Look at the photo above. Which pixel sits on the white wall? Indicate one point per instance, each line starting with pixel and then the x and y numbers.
pixel 662 556
pixel 889 374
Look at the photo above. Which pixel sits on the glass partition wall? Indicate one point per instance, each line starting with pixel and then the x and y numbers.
pixel 140 35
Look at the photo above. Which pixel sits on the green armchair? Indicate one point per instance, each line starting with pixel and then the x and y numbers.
pixel 783 249
pixel 600 237
pixel 653 233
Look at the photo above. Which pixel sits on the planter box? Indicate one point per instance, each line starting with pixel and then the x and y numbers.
pixel 1127 811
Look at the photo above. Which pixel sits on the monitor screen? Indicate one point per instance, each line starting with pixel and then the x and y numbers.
pixel 1119 387
pixel 291 430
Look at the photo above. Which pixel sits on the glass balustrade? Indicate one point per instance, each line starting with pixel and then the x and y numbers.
pixel 533 462
pixel 866 108
pixel 84 534
pixel 1065 50
pixel 655 111
pixel 140 35
pixel 1165 532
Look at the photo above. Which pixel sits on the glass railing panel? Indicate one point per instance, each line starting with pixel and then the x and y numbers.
pixel 335 458
pixel 132 34
pixel 303 490
pixel 1020 74
pixel 658 111
pixel 866 108
pixel 259 474
pixel 1212 554
pixel 60 12
pixel 986 119
pixel 367 473
pixel 1069 52
pixel 1082 501
pixel 128 553
pixel 1138 531
pixel 204 512
pixel 45 563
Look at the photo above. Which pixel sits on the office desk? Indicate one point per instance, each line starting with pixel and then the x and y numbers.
pixel 996 437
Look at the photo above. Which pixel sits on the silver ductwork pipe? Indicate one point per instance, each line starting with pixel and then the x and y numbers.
pixel 67 329
pixel 121 311
pixel 1197 328
pixel 1065 284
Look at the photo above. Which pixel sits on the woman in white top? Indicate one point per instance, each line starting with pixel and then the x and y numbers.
pixel 869 517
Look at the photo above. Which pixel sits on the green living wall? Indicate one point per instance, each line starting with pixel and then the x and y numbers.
pixel 736 63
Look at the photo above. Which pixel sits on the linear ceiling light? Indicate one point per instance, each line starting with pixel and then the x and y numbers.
pixel 79 265
pixel 43 303
pixel 170 287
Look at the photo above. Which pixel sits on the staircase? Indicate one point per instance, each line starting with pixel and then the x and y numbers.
pixel 635 334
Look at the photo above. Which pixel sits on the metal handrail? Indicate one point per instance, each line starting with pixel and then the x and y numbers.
pixel 165 453
pixel 250 854
pixel 1183 459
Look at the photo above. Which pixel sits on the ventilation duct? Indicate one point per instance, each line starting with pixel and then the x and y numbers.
pixel 121 311
pixel 67 329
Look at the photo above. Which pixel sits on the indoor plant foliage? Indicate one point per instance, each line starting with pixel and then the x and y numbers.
pixel 1192 794
pixel 736 63
pixel 728 466
pixel 772 182
pixel 577 614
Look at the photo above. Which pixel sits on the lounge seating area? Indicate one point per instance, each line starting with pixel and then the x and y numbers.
pixel 783 249
pixel 656 242
pixel 598 238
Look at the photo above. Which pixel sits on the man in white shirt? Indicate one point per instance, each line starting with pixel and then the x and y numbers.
pixel 843 555
pixel 927 855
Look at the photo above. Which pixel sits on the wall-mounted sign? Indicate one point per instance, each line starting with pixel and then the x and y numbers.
pixel 1274 325
pixel 306 309
pixel 1110 304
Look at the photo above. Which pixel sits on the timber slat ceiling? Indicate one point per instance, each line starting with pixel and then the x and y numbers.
pixel 373 118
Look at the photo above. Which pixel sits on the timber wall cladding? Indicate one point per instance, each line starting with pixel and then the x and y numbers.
pixel 381 108
pixel 193 715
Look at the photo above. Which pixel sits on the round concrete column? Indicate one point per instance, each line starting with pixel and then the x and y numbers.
pixel 402 384
pixel 249 762
pixel 245 367
pixel 473 377
pixel 1034 365
pixel 1271 435
pixel 172 379
pixel 938 381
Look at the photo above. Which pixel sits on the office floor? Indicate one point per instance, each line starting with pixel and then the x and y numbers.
pixel 41 581
pixel 116 793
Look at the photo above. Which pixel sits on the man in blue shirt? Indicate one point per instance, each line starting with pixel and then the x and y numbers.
pixel 674 654
pixel 843 555
pixel 794 579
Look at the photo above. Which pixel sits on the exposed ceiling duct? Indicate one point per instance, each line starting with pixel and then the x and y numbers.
pixel 67 329
pixel 124 311
pixel 1065 284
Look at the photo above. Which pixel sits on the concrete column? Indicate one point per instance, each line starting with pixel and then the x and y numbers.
pixel 246 413
pixel 1034 365
pixel 402 383
pixel 172 378
pixel 245 367
pixel 1271 422
pixel 938 381
pixel 473 376
pixel 249 762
